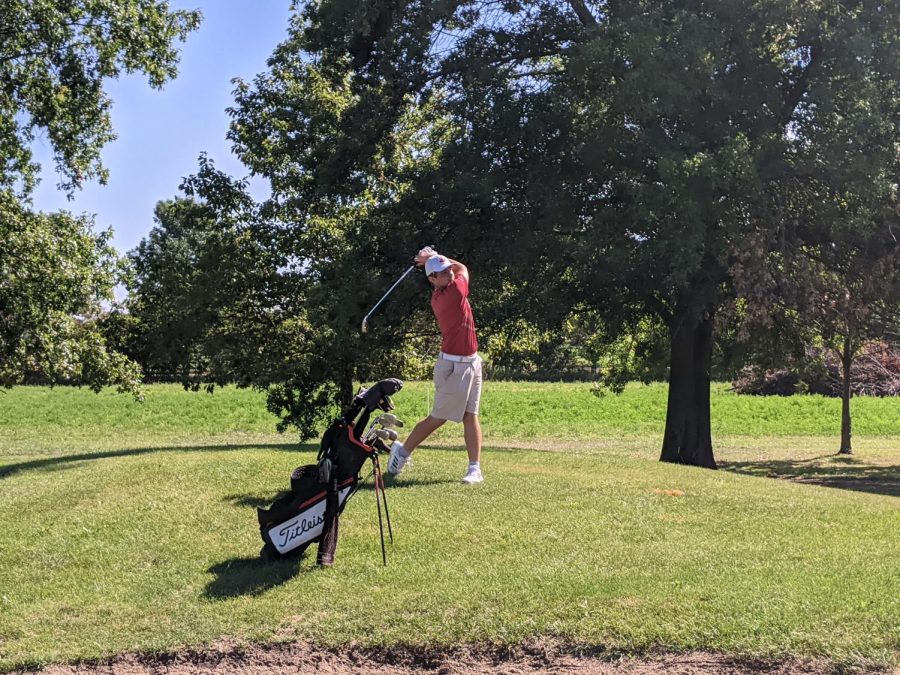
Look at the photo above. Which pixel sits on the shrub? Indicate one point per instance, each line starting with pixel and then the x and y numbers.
pixel 875 372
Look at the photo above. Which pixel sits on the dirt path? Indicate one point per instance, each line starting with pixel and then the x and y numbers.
pixel 465 660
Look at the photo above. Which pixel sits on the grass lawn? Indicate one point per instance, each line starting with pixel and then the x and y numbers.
pixel 127 527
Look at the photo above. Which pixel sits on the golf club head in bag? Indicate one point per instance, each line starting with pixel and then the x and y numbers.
pixel 389 420
pixel 385 434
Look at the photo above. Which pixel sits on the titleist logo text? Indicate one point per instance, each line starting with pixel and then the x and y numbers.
pixel 291 532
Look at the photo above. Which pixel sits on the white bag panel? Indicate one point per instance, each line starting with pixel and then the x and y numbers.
pixel 305 526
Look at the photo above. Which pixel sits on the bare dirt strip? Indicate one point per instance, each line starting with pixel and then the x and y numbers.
pixel 535 657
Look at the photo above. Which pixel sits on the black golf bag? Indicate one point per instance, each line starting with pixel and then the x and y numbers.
pixel 319 492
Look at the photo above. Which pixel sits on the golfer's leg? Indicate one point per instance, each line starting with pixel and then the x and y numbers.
pixel 472 432
pixel 421 431
pixel 471 419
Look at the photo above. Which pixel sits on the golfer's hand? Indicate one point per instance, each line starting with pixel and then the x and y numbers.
pixel 423 255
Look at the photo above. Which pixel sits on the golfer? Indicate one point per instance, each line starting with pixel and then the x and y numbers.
pixel 457 372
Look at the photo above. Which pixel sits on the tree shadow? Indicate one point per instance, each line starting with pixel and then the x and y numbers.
pixel 405 482
pixel 256 500
pixel 844 472
pixel 62 461
pixel 250 576
pixel 461 449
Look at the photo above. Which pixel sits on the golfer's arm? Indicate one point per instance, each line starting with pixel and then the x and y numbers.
pixel 459 269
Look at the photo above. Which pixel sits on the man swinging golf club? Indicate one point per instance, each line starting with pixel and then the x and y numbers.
pixel 457 372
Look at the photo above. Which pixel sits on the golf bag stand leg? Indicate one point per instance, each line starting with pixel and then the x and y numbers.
pixel 328 542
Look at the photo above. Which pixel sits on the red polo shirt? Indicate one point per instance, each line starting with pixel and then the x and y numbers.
pixel 454 316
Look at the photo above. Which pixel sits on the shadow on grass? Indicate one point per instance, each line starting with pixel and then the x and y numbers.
pixel 256 500
pixel 835 471
pixel 250 576
pixel 63 460
pixel 60 462
pixel 405 482
pixel 460 449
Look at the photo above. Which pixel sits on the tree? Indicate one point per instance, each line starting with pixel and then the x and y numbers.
pixel 338 250
pixel 846 303
pixel 199 284
pixel 55 273
pixel 834 260
pixel 220 298
pixel 850 254
pixel 170 269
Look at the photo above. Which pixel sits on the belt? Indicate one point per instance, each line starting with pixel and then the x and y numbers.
pixel 458 359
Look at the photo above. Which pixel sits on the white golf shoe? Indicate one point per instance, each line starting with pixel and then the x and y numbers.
pixel 399 458
pixel 473 475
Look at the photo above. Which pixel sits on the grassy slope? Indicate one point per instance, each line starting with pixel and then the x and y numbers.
pixel 511 410
pixel 128 527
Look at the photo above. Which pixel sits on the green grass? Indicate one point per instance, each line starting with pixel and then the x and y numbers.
pixel 519 410
pixel 132 528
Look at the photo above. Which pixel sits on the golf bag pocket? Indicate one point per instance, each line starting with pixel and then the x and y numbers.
pixel 305 479
pixel 298 519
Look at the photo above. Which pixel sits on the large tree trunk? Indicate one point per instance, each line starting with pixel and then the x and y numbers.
pixel 846 362
pixel 688 439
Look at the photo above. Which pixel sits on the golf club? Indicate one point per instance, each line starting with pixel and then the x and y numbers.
pixel 365 320
pixel 389 420
pixel 386 434
pixel 370 432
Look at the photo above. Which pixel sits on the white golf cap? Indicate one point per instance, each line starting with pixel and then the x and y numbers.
pixel 436 263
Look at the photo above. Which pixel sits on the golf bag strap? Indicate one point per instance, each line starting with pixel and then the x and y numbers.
pixel 329 538
pixel 328 438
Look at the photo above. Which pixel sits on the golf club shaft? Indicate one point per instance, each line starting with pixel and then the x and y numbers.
pixel 379 485
pixel 387 515
pixel 366 317
pixel 370 432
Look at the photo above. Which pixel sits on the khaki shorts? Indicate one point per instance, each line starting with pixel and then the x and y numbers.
pixel 457 389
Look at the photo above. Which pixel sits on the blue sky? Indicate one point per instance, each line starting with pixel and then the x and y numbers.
pixel 161 133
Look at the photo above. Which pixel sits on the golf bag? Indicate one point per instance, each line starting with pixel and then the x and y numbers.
pixel 311 511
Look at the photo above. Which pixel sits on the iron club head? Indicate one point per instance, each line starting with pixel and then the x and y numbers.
pixel 389 420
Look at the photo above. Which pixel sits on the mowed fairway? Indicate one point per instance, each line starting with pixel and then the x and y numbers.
pixel 127 527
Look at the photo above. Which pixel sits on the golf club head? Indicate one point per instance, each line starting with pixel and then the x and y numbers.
pixel 386 434
pixel 364 328
pixel 389 420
